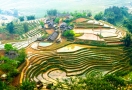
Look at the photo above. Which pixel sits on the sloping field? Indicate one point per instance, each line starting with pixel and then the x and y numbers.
pixel 80 20
pixel 49 65
pixel 107 34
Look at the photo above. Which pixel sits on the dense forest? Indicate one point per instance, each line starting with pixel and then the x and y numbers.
pixel 118 16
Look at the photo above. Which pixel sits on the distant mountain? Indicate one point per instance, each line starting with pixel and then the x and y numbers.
pixel 39 7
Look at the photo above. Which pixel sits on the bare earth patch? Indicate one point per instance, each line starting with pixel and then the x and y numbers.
pixel 50 31
pixel 34 45
pixel 80 20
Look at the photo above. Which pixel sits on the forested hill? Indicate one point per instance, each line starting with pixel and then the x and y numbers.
pixel 40 7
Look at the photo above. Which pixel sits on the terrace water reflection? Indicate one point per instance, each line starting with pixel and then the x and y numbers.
pixel 44 44
pixel 71 48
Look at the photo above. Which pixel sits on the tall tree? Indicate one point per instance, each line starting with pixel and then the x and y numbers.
pixel 127 40
pixel 10 27
pixel 52 12
pixel 31 17
pixel 21 18
pixel 128 24
pixel 25 26
pixel 99 16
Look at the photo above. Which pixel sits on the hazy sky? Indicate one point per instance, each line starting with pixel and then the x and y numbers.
pixel 37 6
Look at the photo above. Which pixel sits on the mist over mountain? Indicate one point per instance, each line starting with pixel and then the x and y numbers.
pixel 39 7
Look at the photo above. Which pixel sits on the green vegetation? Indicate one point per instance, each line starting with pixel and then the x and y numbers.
pixel 25 26
pixel 128 24
pixel 78 34
pixel 69 34
pixel 57 20
pixel 31 17
pixel 10 27
pixel 9 66
pixel 21 18
pixel 13 29
pixel 52 12
pixel 91 82
pixel 128 54
pixel 21 57
pixel 113 15
pixel 83 62
pixel 41 23
pixel 83 14
pixel 127 40
pixel 27 85
pixel 8 47
pixel 99 16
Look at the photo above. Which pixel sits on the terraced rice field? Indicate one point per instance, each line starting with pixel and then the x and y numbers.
pixel 47 66
pixel 91 29
pixel 89 36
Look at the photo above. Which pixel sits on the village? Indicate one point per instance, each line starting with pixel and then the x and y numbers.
pixel 61 47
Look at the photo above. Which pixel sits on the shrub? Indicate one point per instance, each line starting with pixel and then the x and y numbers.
pixel 69 34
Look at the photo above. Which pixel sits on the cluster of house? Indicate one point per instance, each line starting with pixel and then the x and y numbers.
pixel 58 28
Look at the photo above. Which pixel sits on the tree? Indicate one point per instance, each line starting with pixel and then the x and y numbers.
pixel 8 65
pixel 89 14
pixel 22 56
pixel 90 82
pixel 128 24
pixel 99 16
pixel 57 20
pixel 114 80
pixel 8 47
pixel 31 17
pixel 127 40
pixel 116 14
pixel 21 18
pixel 69 34
pixel 10 27
pixel 42 24
pixel 3 85
pixel 27 85
pixel 52 12
pixel 25 26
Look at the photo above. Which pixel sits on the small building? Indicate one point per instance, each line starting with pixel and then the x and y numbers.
pixel 53 36
pixel 11 54
pixel 40 39
pixel 49 23
pixel 63 26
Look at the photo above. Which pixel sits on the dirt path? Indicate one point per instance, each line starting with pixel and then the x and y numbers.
pixel 29 50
